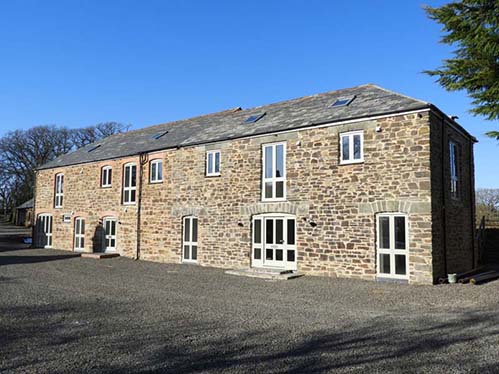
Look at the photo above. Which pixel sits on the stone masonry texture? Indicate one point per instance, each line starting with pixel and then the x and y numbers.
pixel 401 172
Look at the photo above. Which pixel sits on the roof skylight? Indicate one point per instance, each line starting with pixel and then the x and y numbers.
pixel 94 148
pixel 159 135
pixel 254 117
pixel 342 101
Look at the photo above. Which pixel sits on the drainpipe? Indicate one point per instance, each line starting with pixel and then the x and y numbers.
pixel 444 211
pixel 33 222
pixel 142 162
pixel 472 202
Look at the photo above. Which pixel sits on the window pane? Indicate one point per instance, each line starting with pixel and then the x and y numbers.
pixel 399 232
pixel 268 162
pixel 82 242
pixel 269 226
pixel 384 232
pixel 279 158
pixel 257 253
pixel 127 176
pixel 187 229
pixel 268 190
pixel 186 252
pixel 279 231
pixel 400 264
pixel 109 176
pixel 217 162
pixel 269 254
pixel 113 227
pixel 194 252
pixel 112 243
pixel 291 256
pixel 279 189
pixel 134 172
pixel 159 170
pixel 384 263
pixel 356 147
pixel 82 226
pixel 132 196
pixel 257 231
pixel 194 229
pixel 291 232
pixel 107 226
pixel 210 163
pixel 346 148
pixel 278 254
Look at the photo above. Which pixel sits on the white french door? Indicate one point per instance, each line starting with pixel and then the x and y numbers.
pixel 190 239
pixel 392 246
pixel 79 240
pixel 274 241
pixel 110 234
pixel 44 226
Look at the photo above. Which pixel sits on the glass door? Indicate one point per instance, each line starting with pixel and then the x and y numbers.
pixel 190 240
pixel 393 257
pixel 110 234
pixel 44 230
pixel 79 242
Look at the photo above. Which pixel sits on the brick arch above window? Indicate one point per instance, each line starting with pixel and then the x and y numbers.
pixel 400 206
pixel 284 207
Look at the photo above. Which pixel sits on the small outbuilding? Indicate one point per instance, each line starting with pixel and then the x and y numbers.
pixel 24 213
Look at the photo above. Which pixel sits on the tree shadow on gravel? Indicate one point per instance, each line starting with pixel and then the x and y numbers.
pixel 16 260
pixel 114 338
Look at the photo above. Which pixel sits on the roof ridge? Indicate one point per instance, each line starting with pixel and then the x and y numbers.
pixel 396 93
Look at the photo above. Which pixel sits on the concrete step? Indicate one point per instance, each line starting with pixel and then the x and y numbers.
pixel 273 274
pixel 99 256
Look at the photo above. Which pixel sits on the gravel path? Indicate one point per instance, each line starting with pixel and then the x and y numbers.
pixel 66 314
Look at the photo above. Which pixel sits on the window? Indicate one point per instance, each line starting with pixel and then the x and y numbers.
pixel 190 240
pixel 79 242
pixel 156 171
pixel 129 184
pixel 59 190
pixel 274 172
pixel 94 148
pixel 44 231
pixel 255 117
pixel 392 246
pixel 159 135
pixel 351 147
pixel 212 163
pixel 110 234
pixel 106 176
pixel 454 169
pixel 342 101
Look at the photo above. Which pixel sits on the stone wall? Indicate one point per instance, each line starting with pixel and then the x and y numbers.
pixel 341 200
pixel 453 218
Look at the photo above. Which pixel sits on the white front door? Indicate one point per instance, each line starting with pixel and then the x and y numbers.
pixel 392 247
pixel 110 234
pixel 274 241
pixel 79 242
pixel 44 230
pixel 190 240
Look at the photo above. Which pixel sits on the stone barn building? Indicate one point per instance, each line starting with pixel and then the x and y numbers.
pixel 361 182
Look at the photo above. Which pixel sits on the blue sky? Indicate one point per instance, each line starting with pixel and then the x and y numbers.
pixel 78 63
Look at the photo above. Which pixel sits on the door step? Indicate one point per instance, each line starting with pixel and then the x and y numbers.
pixel 274 274
pixel 99 256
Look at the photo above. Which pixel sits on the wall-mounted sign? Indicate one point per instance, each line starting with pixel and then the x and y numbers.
pixel 66 218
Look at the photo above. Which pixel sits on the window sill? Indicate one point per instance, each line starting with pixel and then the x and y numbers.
pixel 213 175
pixel 156 182
pixel 58 207
pixel 107 186
pixel 129 204
pixel 278 200
pixel 352 162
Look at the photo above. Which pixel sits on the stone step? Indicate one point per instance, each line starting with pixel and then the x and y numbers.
pixel 99 256
pixel 273 274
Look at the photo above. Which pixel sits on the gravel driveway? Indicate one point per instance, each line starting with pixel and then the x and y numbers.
pixel 66 314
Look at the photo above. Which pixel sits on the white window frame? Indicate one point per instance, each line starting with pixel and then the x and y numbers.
pixel 392 251
pixel 350 135
pixel 47 229
pixel 79 234
pixel 109 237
pixel 158 163
pixel 129 188
pixel 106 176
pixel 273 179
pixel 59 190
pixel 212 163
pixel 190 243
pixel 454 169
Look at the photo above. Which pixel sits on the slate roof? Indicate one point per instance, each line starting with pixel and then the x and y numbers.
pixel 26 204
pixel 307 111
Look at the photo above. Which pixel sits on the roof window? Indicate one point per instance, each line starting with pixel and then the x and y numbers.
pixel 254 117
pixel 342 101
pixel 159 135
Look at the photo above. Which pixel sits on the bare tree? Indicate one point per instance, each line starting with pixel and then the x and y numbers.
pixel 487 202
pixel 23 151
